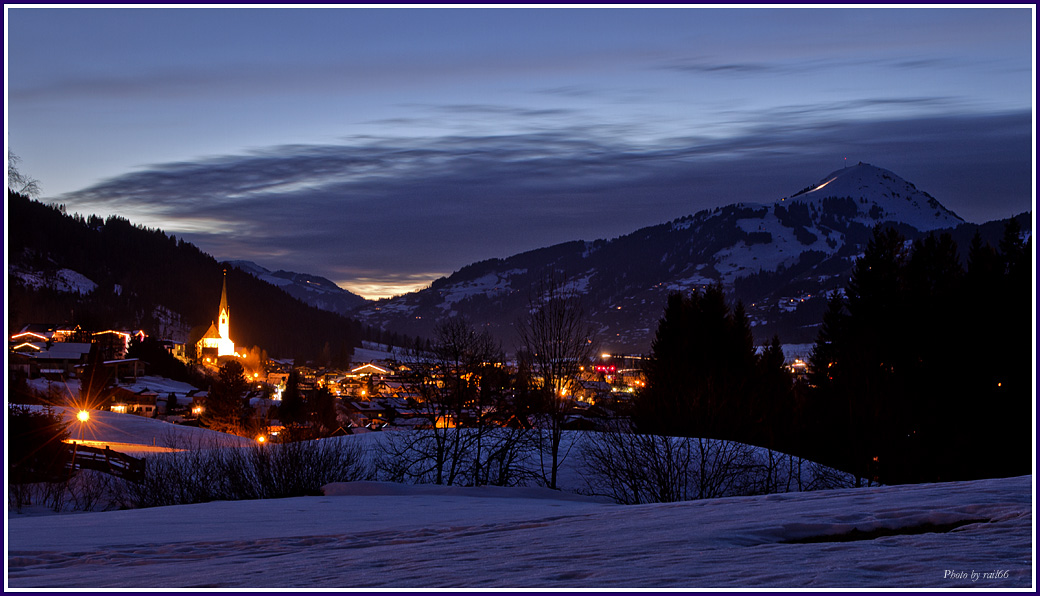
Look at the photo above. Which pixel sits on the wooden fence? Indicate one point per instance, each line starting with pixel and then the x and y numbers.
pixel 107 461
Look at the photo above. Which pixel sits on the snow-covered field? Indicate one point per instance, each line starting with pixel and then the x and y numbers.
pixel 136 435
pixel 370 534
pixel 365 535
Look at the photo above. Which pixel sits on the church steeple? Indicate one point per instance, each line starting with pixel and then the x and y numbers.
pixel 217 341
pixel 223 314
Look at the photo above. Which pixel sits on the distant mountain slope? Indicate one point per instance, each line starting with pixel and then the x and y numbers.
pixel 310 289
pixel 780 259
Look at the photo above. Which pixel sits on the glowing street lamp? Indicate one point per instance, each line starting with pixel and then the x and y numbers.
pixel 83 416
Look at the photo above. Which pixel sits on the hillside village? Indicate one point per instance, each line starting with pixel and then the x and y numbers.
pixel 53 364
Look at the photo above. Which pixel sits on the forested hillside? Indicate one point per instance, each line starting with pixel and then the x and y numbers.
pixel 144 278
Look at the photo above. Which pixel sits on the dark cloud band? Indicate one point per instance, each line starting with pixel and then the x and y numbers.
pixel 400 208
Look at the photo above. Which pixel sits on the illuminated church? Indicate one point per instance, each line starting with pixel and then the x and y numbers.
pixel 217 340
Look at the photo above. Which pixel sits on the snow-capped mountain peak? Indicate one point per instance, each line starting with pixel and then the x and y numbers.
pixel 879 196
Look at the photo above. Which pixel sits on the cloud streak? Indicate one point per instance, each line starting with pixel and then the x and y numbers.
pixel 395 213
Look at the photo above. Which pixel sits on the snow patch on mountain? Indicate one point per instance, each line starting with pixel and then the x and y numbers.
pixel 687 284
pixel 62 280
pixel 170 325
pixel 490 285
pixel 578 285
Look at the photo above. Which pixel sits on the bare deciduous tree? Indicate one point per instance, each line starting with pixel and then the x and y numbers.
pixel 633 467
pixel 556 341
pixel 18 182
pixel 458 394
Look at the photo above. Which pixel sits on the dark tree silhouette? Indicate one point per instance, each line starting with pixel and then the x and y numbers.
pixel 919 343
pixel 225 408
pixel 94 379
pixel 702 370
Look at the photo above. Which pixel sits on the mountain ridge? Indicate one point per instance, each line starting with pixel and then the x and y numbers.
pixel 781 259
pixel 315 290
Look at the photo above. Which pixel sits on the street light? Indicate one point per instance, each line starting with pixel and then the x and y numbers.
pixel 83 416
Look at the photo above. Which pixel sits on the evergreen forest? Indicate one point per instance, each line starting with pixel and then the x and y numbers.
pixel 920 373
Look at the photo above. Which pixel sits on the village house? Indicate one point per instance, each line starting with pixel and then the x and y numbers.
pixel 113 344
pixel 55 361
pixel 125 401
pixel 367 413
pixel 58 352
pixel 368 369
pixel 125 370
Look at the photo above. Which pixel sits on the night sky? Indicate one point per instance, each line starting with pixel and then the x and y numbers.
pixel 383 148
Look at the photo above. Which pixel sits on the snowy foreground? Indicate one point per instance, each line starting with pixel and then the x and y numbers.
pixel 370 534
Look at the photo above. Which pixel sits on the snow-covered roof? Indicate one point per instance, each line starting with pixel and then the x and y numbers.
pixel 64 351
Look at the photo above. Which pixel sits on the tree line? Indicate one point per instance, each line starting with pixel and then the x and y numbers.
pixel 921 370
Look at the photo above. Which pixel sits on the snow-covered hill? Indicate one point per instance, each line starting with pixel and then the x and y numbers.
pixel 363 535
pixel 137 435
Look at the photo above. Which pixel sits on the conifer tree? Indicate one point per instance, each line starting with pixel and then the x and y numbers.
pixel 825 352
pixel 701 371
pixel 225 410
pixel 932 374
pixel 322 406
pixel 771 404
pixel 874 350
pixel 291 410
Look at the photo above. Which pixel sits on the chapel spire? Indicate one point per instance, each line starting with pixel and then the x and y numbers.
pixel 223 299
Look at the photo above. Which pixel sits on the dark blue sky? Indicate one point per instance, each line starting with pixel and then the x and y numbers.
pixel 384 148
